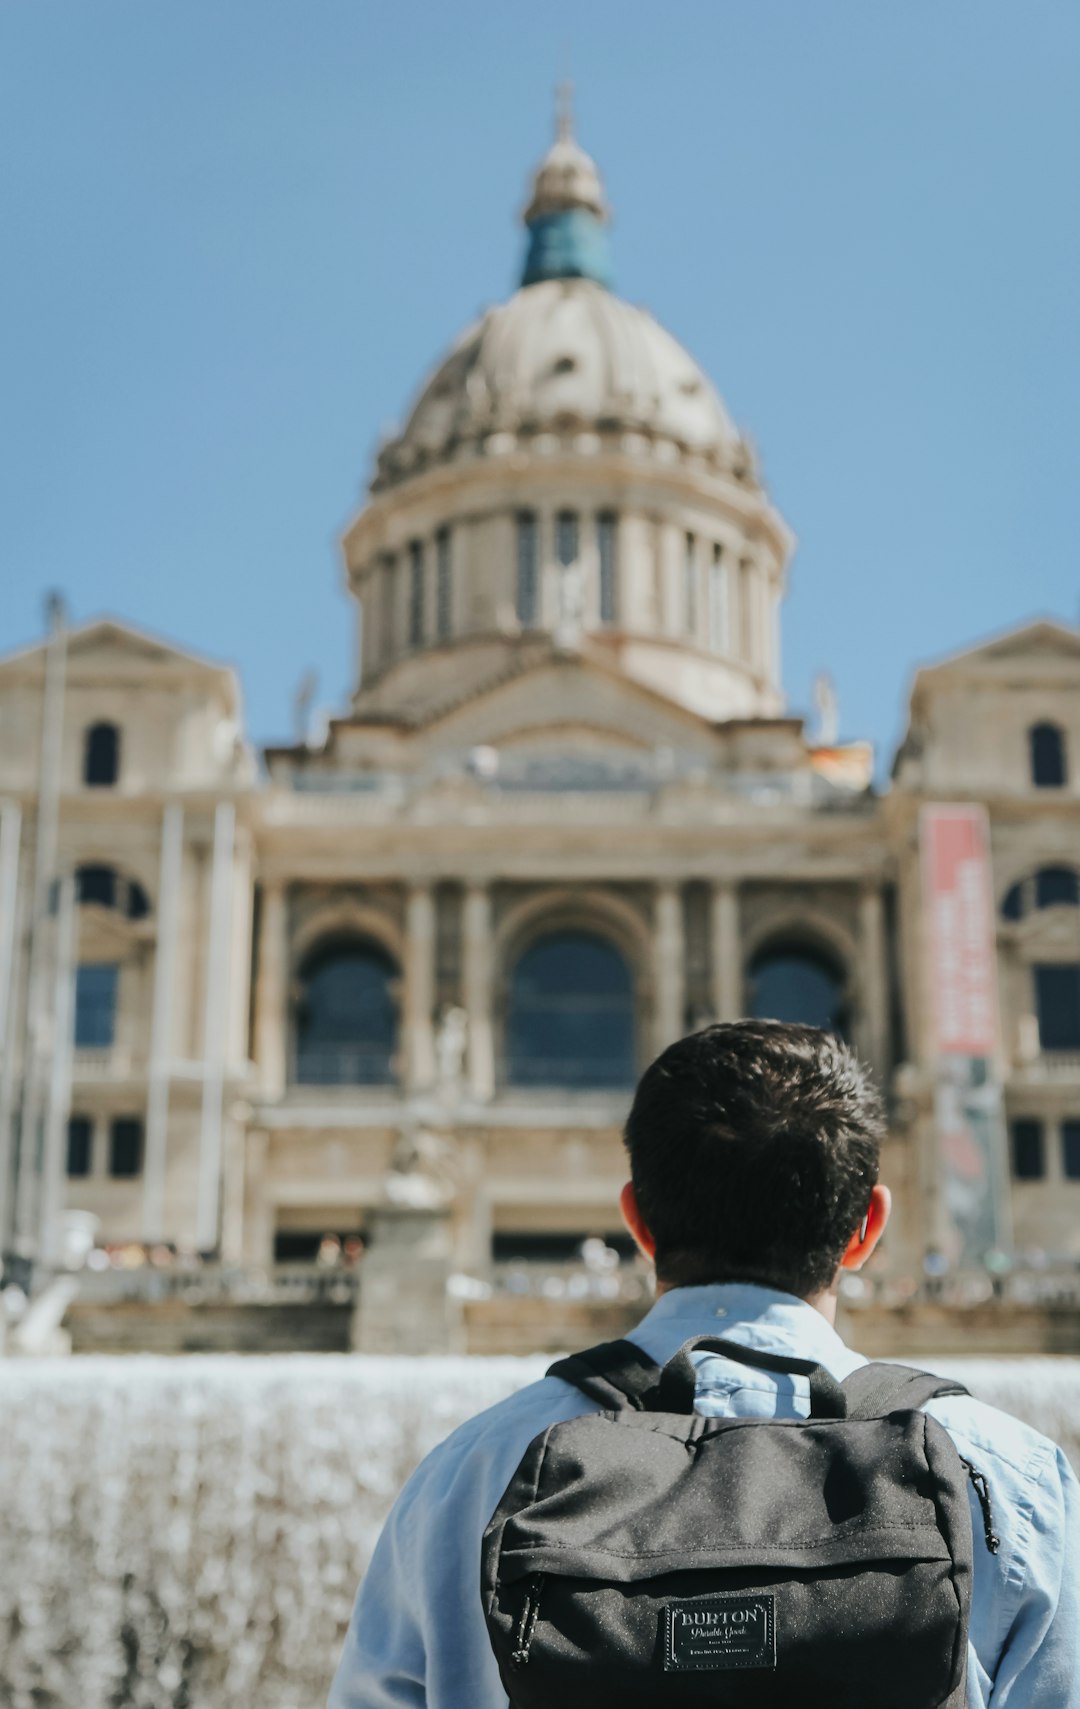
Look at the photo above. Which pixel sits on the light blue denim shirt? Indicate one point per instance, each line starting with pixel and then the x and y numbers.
pixel 418 1635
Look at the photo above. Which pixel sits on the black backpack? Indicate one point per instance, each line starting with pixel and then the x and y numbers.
pixel 646 1556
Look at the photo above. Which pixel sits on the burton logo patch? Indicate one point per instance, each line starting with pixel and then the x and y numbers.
pixel 718 1632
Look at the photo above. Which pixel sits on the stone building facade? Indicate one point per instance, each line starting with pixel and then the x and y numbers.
pixel 565 819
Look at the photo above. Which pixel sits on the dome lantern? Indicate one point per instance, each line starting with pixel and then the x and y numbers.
pixel 567 214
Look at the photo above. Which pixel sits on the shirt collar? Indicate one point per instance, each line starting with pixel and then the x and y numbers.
pixel 753 1315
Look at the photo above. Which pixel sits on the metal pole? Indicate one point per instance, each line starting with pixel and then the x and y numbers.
pixel 58 1107
pixel 157 1108
pixel 215 1043
pixel 35 1045
pixel 10 837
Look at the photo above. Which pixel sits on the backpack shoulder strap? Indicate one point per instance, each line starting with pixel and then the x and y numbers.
pixel 877 1389
pixel 616 1373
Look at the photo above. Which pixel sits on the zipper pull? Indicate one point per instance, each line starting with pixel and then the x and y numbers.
pixel 530 1612
pixel 982 1490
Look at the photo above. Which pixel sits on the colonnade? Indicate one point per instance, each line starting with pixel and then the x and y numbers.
pixel 479 981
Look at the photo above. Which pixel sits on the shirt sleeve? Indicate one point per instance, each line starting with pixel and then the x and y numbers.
pixel 383 1662
pixel 1040 1663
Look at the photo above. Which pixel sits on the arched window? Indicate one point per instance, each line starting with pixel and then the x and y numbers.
pixel 570 1018
pixel 101 756
pixel 1056 886
pixel 1047 744
pixel 792 983
pixel 1049 887
pixel 107 888
pixel 346 1018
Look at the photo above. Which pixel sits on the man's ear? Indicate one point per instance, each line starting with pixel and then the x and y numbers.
pixel 636 1223
pixel 861 1245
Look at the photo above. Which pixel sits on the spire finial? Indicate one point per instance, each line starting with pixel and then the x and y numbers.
pixel 564 110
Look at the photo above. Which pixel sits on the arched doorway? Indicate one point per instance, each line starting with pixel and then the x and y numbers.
pixel 346 1016
pixel 570 1015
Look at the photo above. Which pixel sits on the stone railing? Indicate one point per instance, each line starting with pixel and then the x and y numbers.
pixel 220 1284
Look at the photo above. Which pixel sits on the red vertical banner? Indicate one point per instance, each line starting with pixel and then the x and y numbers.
pixel 960 940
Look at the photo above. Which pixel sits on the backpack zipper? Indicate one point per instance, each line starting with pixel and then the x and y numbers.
pixel 530 1612
pixel 982 1490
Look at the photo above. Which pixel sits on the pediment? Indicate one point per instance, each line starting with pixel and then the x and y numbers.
pixel 570 706
pixel 1045 642
pixel 108 648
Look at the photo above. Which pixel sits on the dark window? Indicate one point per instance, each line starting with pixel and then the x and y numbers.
pixel 96 884
pixel 527 583
pixel 571 1015
pixel 125 1147
pixel 96 985
pixel 1056 885
pixel 301 1246
pixel 387 590
pixel 798 985
pixel 101 759
pixel 1070 1150
pixel 1047 756
pixel 444 587
pixel 566 537
pixel 690 585
pixel 718 630
pixel 80 1139
pixel 416 594
pixel 1057 1004
pixel 1013 906
pixel 1028 1154
pixel 346 1023
pixel 605 539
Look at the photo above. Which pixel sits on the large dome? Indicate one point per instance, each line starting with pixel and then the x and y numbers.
pixel 563 354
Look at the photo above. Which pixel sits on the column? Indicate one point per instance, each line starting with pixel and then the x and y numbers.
pixel 477 980
pixel 58 1099
pixel 418 1004
pixel 873 980
pixel 271 995
pixel 669 1002
pixel 215 1015
pixel 727 981
pixel 10 841
pixel 161 1024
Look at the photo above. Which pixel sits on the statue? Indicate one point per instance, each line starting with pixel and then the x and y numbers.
pixel 423 1171
pixel 828 711
pixel 571 605
pixel 451 1040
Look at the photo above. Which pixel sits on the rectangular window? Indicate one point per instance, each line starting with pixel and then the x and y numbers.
pixel 96 984
pixel 125 1147
pixel 1057 1004
pixel 1070 1150
pixel 444 587
pixel 718 628
pixel 690 585
pixel 416 593
pixel 80 1140
pixel 527 583
pixel 387 590
pixel 566 537
pixel 1028 1155
pixel 605 540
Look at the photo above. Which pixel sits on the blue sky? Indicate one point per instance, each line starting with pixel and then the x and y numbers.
pixel 239 232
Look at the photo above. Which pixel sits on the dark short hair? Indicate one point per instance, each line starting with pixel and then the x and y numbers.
pixel 753 1149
